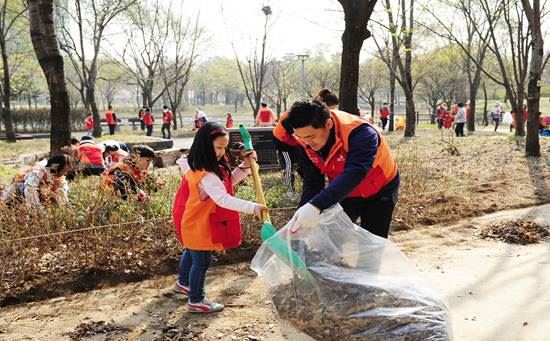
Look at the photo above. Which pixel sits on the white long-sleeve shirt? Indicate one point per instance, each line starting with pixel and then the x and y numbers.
pixel 212 186
pixel 35 179
pixel 461 115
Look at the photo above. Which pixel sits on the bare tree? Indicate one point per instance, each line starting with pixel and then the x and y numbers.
pixel 356 16
pixel 253 73
pixel 370 82
pixel 401 69
pixel 8 18
pixel 44 40
pixel 184 40
pixel 91 18
pixel 321 74
pixel 281 83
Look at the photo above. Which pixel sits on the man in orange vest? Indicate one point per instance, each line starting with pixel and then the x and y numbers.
pixel 167 119
pixel 265 117
pixel 110 117
pixel 351 152
pixel 89 123
pixel 384 114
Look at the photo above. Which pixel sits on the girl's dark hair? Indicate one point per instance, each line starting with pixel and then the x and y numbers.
pixel 202 155
pixel 308 113
pixel 57 162
pixel 327 97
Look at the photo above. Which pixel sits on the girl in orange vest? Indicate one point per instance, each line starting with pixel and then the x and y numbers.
pixel 149 121
pixel 265 117
pixel 206 215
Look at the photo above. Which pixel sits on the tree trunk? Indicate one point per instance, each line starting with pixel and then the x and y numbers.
pixel 90 98
pixel 485 117
pixel 474 86
pixel 46 47
pixel 357 15
pixel 532 146
pixel 392 100
pixel 6 95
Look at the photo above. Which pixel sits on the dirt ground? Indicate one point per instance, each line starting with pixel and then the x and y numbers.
pixel 495 291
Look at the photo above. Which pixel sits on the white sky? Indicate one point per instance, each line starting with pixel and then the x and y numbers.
pixel 295 25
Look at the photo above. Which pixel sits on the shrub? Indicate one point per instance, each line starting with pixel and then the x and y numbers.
pixel 38 120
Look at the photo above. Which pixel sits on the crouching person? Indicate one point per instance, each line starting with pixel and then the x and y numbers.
pixel 205 213
pixel 42 185
pixel 130 177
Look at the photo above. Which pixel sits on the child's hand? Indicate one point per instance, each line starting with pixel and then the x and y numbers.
pixel 246 154
pixel 259 209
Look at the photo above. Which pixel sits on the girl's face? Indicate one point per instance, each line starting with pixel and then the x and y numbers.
pixel 220 144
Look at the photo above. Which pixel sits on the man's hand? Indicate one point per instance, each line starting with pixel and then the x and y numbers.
pixel 306 216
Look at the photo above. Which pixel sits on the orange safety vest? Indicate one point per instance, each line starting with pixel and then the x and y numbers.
pixel 167 117
pixel 265 115
pixel 148 119
pixel 89 122
pixel 90 153
pixel 201 224
pixel 281 134
pixel 384 167
pixel 384 112
pixel 109 118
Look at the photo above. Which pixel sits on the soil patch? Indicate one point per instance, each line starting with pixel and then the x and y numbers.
pixel 516 232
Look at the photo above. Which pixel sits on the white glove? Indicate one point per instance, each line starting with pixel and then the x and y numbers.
pixel 306 216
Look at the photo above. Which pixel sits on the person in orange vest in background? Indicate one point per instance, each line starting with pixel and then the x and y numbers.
pixel 110 117
pixel 229 121
pixel 525 114
pixel 140 116
pixel 265 117
pixel 384 114
pixel 167 119
pixel 90 156
pixel 448 120
pixel 149 121
pixel 363 175
pixel 206 213
pixel 89 123
pixel 131 175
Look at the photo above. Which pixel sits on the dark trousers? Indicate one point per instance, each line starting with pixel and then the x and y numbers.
pixel 93 170
pixel 384 122
pixel 496 121
pixel 459 129
pixel 165 127
pixel 439 123
pixel 112 128
pixel 192 272
pixel 375 213
pixel 142 124
pixel 149 130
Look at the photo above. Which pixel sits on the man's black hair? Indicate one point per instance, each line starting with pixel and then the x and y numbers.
pixel 74 140
pixel 202 155
pixel 308 113
pixel 164 107
pixel 57 162
pixel 263 104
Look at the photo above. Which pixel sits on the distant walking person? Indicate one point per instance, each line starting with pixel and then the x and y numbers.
pixel 167 119
pixel 460 120
pixel 110 117
pixel 229 121
pixel 89 123
pixel 497 115
pixel 384 114
pixel 149 121
pixel 140 116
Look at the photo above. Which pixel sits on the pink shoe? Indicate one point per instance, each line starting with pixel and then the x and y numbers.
pixel 204 306
pixel 180 289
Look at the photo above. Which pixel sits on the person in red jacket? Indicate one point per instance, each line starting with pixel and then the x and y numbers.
pixel 149 121
pixel 167 119
pixel 265 117
pixel 384 114
pixel 441 112
pixel 89 123
pixel 229 121
pixel 110 117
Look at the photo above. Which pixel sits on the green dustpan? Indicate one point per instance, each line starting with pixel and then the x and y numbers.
pixel 279 247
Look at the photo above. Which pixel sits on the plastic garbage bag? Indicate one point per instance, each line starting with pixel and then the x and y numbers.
pixel 358 286
pixel 507 118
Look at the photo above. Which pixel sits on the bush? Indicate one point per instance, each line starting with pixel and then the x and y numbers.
pixel 135 241
pixel 38 120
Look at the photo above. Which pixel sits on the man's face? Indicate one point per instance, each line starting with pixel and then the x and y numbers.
pixel 315 138
pixel 143 163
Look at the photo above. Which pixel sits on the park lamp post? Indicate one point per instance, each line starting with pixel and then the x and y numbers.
pixel 302 58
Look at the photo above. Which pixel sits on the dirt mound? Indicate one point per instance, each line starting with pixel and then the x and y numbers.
pixel 94 328
pixel 516 232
